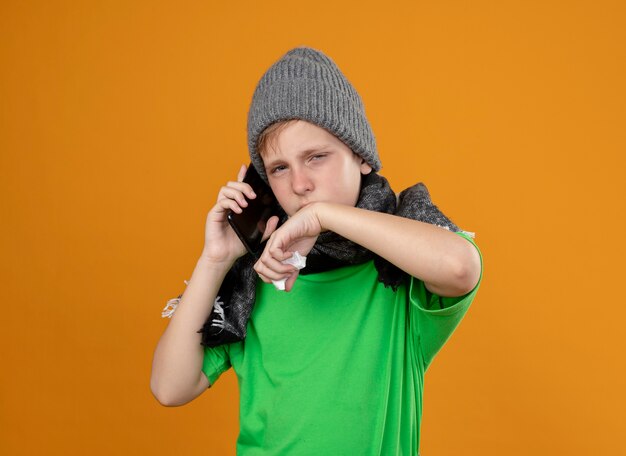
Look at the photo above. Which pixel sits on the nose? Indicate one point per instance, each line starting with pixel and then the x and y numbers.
pixel 301 182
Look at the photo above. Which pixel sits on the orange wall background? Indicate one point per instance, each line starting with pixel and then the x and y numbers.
pixel 119 120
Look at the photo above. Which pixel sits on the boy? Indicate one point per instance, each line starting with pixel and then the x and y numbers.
pixel 335 364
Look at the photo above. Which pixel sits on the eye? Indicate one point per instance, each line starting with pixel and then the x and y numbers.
pixel 277 169
pixel 317 157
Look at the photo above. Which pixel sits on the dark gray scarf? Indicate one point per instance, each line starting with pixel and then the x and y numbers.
pixel 236 296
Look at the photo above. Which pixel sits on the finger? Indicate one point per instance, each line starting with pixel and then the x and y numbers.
pixel 272 274
pixel 274 247
pixel 233 194
pixel 267 275
pixel 270 227
pixel 291 280
pixel 242 173
pixel 273 269
pixel 264 279
pixel 242 187
pixel 278 253
pixel 226 204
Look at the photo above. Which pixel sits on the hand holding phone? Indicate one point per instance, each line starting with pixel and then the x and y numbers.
pixel 250 224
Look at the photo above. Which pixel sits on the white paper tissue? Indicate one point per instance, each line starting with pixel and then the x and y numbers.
pixel 296 260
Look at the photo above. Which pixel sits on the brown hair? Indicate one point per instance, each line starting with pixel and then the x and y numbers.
pixel 268 136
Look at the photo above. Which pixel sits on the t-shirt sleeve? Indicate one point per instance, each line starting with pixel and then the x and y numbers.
pixel 436 317
pixel 216 361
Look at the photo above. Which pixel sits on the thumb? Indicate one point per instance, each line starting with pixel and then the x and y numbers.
pixel 270 227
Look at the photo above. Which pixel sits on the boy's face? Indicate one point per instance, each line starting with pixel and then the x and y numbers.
pixel 307 164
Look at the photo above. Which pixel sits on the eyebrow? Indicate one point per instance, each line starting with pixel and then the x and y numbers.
pixel 302 153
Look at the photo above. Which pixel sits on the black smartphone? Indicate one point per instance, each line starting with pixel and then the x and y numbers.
pixel 250 224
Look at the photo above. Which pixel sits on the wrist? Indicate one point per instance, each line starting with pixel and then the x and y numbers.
pixel 208 262
pixel 322 211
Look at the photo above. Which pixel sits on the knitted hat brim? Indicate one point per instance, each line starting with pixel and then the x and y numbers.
pixel 316 102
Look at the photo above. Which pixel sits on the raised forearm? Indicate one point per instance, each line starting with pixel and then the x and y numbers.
pixel 433 254
pixel 177 363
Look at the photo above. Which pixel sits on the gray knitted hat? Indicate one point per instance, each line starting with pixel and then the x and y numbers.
pixel 306 84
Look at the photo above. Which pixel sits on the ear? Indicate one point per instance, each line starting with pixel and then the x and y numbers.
pixel 365 167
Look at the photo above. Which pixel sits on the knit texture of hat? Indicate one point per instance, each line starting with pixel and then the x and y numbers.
pixel 306 84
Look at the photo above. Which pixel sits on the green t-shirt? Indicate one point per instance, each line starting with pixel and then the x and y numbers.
pixel 336 366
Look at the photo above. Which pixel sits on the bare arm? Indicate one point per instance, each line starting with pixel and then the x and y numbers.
pixel 448 264
pixel 177 376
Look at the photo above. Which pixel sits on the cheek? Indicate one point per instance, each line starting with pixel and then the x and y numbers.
pixel 349 188
pixel 282 195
